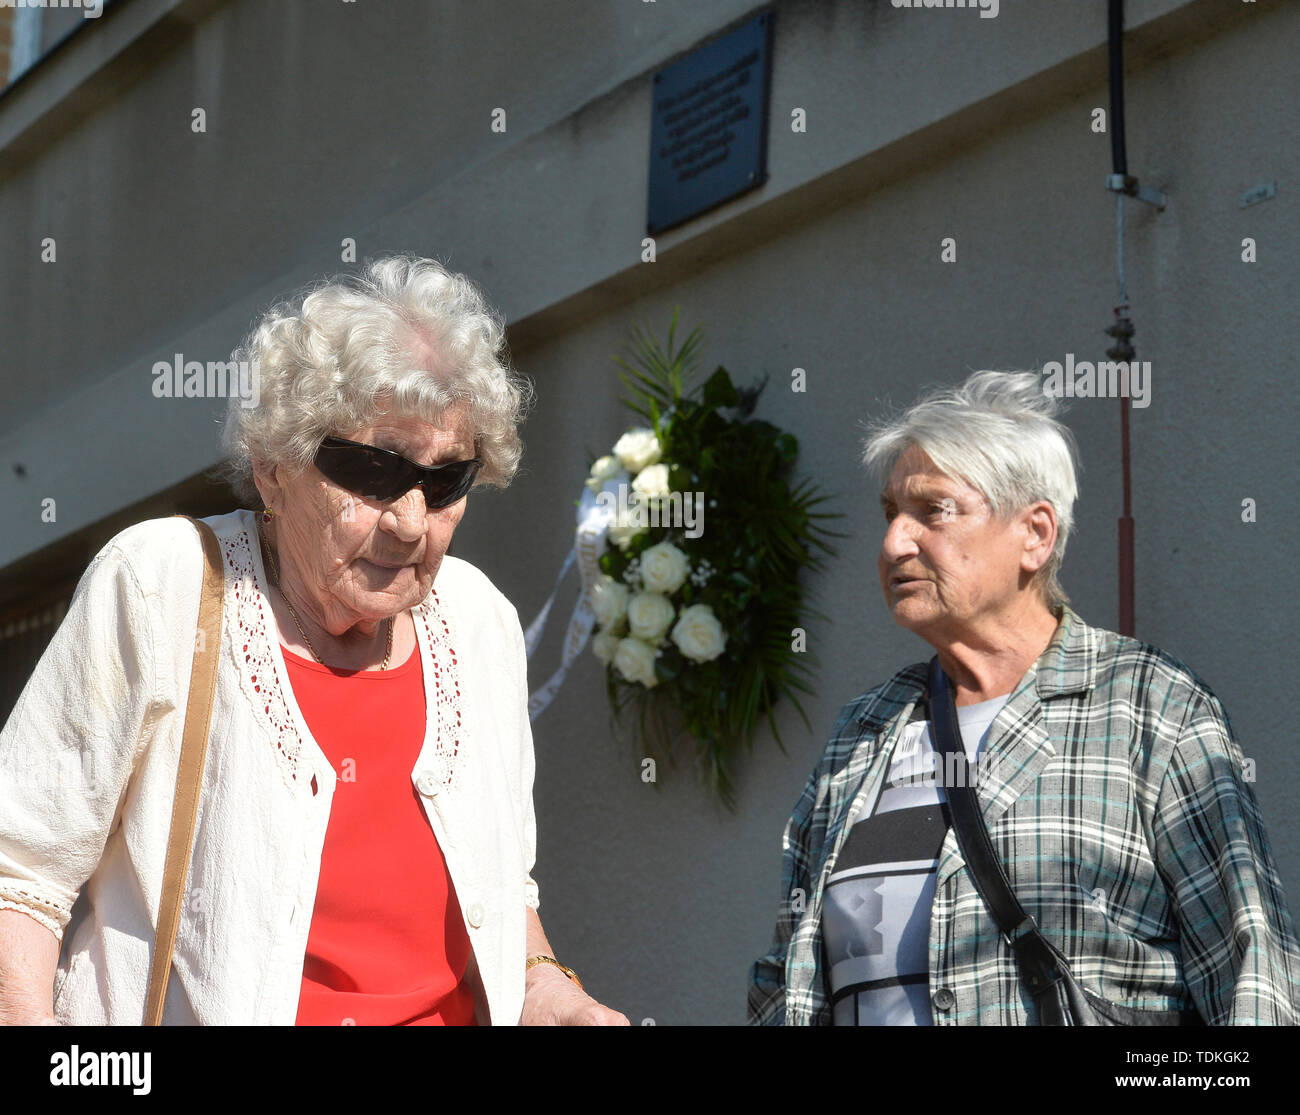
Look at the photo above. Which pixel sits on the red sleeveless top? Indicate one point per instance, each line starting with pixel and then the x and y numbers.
pixel 387 944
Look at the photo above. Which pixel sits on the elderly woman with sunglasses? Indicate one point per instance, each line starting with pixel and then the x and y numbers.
pixel 365 838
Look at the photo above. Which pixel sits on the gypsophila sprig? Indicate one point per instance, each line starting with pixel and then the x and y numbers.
pixel 701 589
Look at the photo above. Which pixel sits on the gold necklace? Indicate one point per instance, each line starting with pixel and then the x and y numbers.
pixel 293 612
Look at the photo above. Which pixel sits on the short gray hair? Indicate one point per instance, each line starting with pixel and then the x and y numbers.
pixel 332 356
pixel 997 432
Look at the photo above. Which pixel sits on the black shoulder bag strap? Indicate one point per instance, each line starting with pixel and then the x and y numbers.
pixel 1041 969
pixel 1044 973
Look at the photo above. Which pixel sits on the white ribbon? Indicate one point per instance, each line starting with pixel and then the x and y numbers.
pixel 534 633
pixel 594 521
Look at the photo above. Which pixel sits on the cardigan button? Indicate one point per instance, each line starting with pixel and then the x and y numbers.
pixel 427 784
pixel 475 914
pixel 944 999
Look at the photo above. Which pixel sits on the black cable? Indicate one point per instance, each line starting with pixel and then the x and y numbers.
pixel 1118 154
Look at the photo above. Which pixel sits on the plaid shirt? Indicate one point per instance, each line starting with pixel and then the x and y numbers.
pixel 1120 806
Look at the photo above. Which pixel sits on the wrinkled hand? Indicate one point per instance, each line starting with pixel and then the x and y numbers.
pixel 15 1017
pixel 552 999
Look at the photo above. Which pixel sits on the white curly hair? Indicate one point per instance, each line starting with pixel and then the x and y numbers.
pixel 405 333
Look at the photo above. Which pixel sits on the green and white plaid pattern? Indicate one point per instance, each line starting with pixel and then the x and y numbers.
pixel 1120 805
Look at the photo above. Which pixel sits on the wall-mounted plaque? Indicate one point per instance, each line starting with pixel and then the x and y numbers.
pixel 708 131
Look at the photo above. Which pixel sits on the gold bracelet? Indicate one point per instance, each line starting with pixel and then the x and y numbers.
pixel 533 961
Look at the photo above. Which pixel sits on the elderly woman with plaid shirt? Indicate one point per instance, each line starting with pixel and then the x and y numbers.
pixel 1115 795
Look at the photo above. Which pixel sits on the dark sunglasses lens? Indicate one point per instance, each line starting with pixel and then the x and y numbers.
pixel 449 484
pixel 375 474
pixel 365 471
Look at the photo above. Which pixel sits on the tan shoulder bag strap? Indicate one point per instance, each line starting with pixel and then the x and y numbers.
pixel 189 775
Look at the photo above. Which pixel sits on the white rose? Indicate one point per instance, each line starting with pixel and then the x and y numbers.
pixel 606 468
pixel 638 448
pixel 609 601
pixel 663 568
pixel 622 531
pixel 649 615
pixel 635 660
pixel 698 634
pixel 652 482
pixel 604 645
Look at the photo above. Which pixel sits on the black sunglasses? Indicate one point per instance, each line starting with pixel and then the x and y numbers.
pixel 383 475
